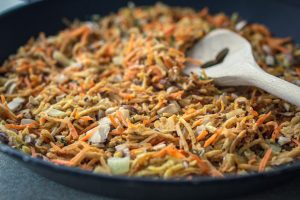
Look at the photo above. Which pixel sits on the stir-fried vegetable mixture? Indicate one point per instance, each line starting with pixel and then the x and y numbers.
pixel 110 96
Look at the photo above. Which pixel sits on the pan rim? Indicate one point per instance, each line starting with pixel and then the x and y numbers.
pixel 27 159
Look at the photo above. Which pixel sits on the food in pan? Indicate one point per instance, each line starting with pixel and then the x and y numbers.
pixel 110 96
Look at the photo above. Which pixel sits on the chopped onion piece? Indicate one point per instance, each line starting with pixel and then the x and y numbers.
pixel 283 140
pixel 119 165
pixel 15 103
pixel 240 25
pixel 27 121
pixel 118 60
pixel 61 78
pixel 111 110
pixel 61 58
pixel 275 148
pixel 159 146
pixel 101 131
pixel 270 60
pixel 55 113
pixel 125 113
pixel 170 109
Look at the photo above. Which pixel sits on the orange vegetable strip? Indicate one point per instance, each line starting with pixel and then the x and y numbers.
pixel 213 138
pixel 262 119
pixel 170 150
pixel 21 127
pixel 117 131
pixel 202 135
pixel 253 112
pixel 176 95
pixel 113 121
pixel 72 129
pixel 90 134
pixel 121 118
pixel 197 123
pixel 201 164
pixel 148 121
pixel 276 132
pixel 3 101
pixel 89 127
pixel 87 118
pixel 175 153
pixel 264 161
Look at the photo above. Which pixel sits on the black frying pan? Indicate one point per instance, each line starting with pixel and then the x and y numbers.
pixel 19 24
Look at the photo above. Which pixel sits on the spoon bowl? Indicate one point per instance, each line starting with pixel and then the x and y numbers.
pixel 239 67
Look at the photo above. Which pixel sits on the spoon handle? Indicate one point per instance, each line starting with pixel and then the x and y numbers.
pixel 277 87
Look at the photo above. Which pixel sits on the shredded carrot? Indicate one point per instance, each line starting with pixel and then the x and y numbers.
pixel 263 118
pixel 276 43
pixel 117 131
pixel 90 134
pixel 7 112
pixel 253 112
pixel 126 95
pixel 176 95
pixel 201 164
pixel 113 121
pixel 89 127
pixel 213 138
pixel 197 123
pixel 170 150
pixel 87 118
pixel 42 120
pixel 72 129
pixel 3 101
pixel 264 161
pixel 202 135
pixel 21 127
pixel 121 118
pixel 134 152
pixel 261 29
pixel 276 132
pixel 149 121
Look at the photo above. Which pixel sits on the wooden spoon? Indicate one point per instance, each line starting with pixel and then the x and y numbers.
pixel 239 67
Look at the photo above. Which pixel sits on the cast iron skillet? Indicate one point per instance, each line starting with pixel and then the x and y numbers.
pixel 19 24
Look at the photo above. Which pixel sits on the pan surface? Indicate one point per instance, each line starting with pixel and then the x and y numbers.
pixel 21 23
